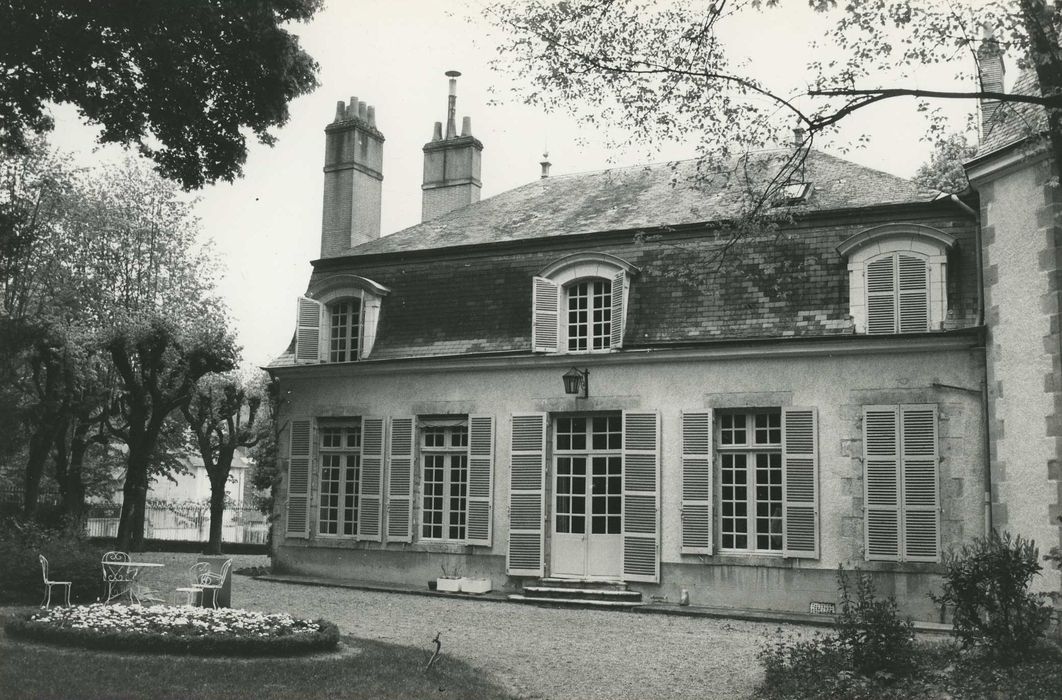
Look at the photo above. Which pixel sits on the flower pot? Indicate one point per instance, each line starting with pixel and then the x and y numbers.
pixel 448 585
pixel 475 585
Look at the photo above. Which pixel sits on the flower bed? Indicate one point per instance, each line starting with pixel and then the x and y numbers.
pixel 175 630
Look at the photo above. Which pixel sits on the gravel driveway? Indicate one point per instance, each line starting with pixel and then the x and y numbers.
pixel 542 652
pixel 535 652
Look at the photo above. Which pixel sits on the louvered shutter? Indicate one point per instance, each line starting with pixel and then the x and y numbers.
pixel 921 493
pixel 697 482
pixel 480 479
pixel 619 316
pixel 372 463
pixel 913 286
pixel 298 523
pixel 800 483
pixel 308 330
pixel 881 482
pixel 641 496
pixel 370 310
pixel 881 295
pixel 527 488
pixel 399 480
pixel 545 310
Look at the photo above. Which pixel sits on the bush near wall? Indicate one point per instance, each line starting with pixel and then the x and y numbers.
pixel 70 558
pixel 187 546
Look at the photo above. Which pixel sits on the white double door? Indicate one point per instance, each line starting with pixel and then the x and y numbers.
pixel 587 515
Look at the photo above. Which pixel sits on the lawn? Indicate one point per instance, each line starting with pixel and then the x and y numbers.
pixel 363 669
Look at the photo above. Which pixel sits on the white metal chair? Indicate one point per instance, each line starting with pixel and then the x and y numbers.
pixel 193 590
pixel 213 582
pixel 118 575
pixel 48 583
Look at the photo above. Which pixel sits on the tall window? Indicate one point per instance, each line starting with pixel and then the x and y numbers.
pixel 589 485
pixel 344 330
pixel 750 478
pixel 590 315
pixel 444 456
pixel 340 480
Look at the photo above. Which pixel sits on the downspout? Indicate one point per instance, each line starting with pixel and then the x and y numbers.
pixel 987 446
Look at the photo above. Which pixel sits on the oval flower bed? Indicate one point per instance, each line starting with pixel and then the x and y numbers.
pixel 175 630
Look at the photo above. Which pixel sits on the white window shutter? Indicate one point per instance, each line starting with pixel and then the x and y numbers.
pixel 370 319
pixel 800 483
pixel 921 490
pixel 619 315
pixel 697 482
pixel 399 480
pixel 527 489
pixel 881 295
pixel 913 294
pixel 881 482
pixel 545 313
pixel 641 496
pixel 299 450
pixel 308 330
pixel 480 479
pixel 372 468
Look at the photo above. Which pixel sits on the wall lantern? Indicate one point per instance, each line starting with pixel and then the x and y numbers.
pixel 576 379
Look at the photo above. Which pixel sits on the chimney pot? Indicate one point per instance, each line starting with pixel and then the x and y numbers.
pixel 436 134
pixel 363 111
pixel 798 136
pixel 466 126
pixel 372 116
pixel 352 108
pixel 341 110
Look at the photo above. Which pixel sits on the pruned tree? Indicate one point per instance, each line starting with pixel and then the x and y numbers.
pixel 658 70
pixel 158 364
pixel 181 81
pixel 222 416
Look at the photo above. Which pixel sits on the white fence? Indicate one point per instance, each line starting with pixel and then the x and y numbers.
pixel 183 522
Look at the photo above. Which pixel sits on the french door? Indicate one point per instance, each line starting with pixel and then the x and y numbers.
pixel 586 539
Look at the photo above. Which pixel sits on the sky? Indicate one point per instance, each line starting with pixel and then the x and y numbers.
pixel 393 55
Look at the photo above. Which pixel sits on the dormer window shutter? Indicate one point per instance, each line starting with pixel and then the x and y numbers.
pixel 308 330
pixel 913 291
pixel 881 295
pixel 619 284
pixel 545 321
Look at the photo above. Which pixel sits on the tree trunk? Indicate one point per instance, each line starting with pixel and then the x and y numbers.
pixel 217 515
pixel 40 444
pixel 134 494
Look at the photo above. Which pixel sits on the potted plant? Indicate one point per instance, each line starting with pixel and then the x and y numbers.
pixel 449 582
pixel 475 585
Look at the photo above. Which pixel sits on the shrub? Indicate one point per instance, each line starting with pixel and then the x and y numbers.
pixel 987 584
pixel 793 665
pixel 871 631
pixel 70 558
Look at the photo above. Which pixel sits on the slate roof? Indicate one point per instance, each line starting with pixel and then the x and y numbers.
pixel 1014 121
pixel 646 196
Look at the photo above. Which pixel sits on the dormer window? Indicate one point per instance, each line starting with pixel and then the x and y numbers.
pixel 897 278
pixel 589 315
pixel 579 304
pixel 337 319
pixel 344 336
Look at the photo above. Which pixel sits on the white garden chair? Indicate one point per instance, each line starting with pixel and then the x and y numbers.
pixel 48 583
pixel 213 582
pixel 118 576
pixel 193 590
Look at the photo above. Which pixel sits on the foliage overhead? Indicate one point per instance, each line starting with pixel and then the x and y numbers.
pixel 662 71
pixel 943 171
pixel 182 81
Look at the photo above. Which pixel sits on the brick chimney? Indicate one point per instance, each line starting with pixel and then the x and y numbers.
pixel 990 69
pixel 353 171
pixel 451 163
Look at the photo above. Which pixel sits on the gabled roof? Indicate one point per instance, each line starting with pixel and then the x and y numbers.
pixel 1014 121
pixel 646 196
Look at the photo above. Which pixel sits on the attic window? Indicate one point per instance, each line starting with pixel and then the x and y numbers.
pixel 337 319
pixel 793 193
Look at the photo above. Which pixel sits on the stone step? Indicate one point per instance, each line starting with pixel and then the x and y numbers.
pixel 605 594
pixel 579 583
pixel 575 602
